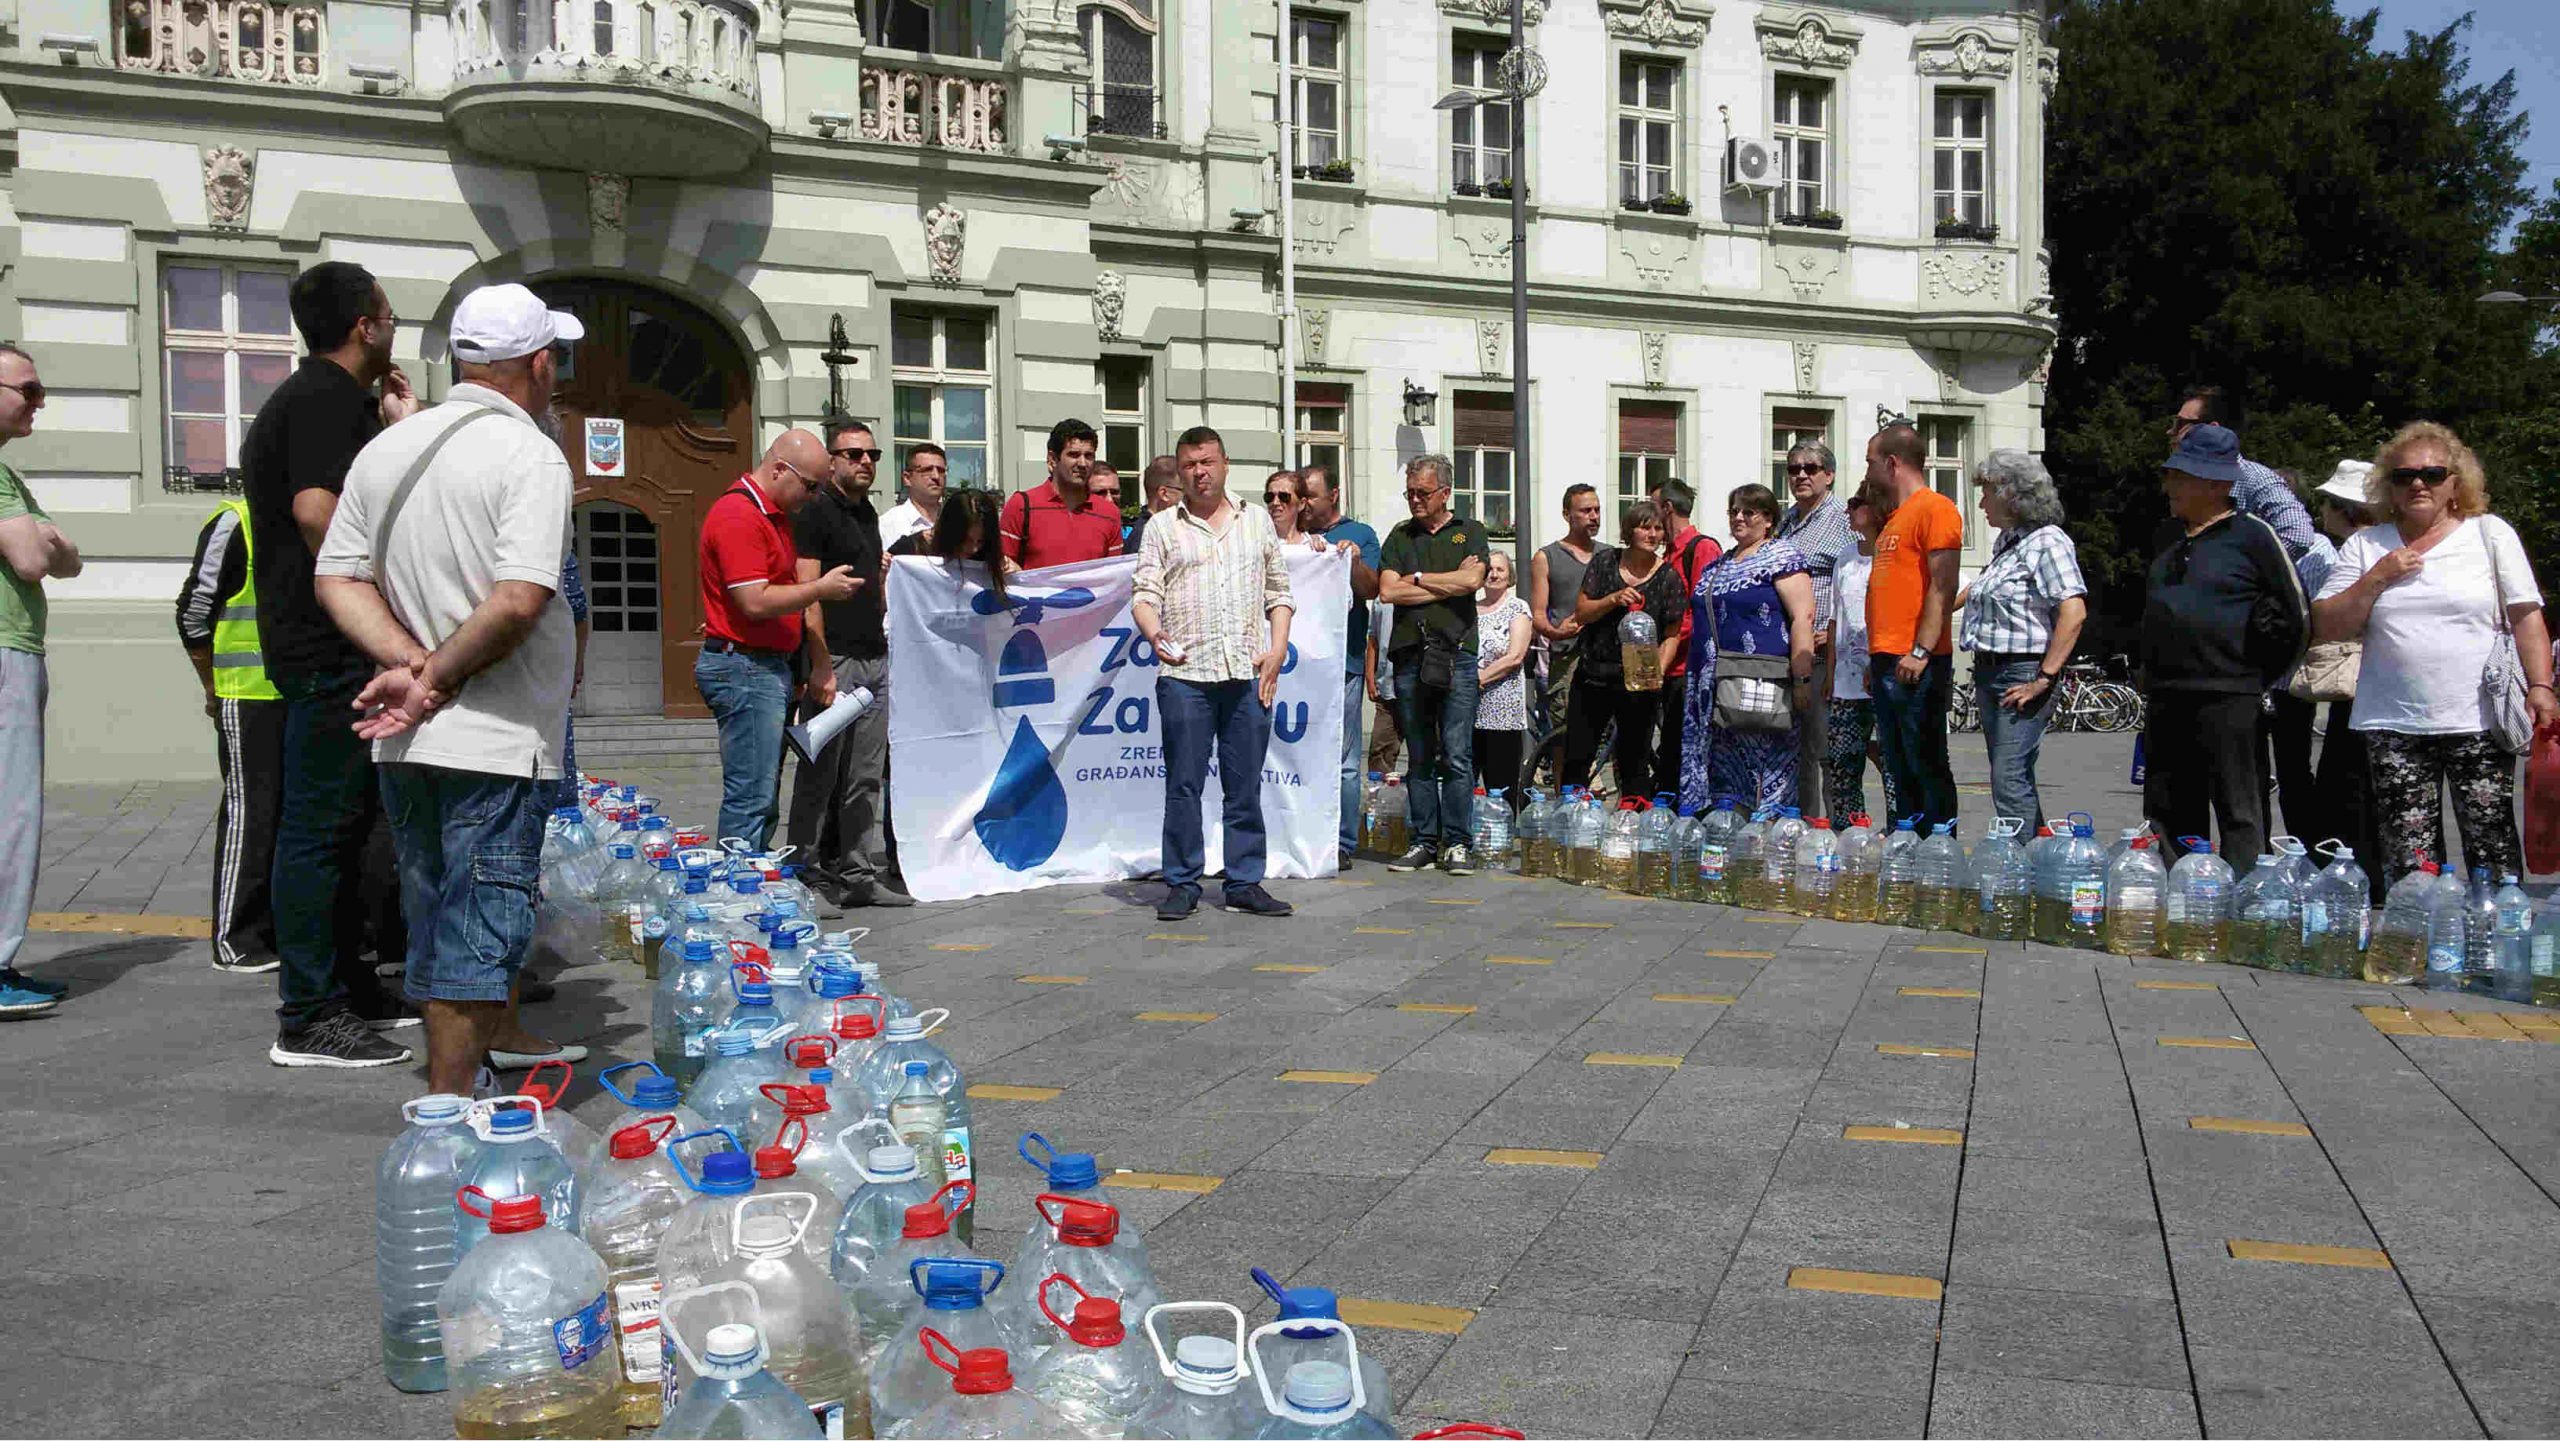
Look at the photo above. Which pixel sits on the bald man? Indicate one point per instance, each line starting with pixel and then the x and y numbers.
pixel 755 648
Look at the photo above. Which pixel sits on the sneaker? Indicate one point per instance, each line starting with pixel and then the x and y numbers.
pixel 1178 903
pixel 527 1060
pixel 340 1040
pixel 12 976
pixel 1457 862
pixel 17 1002
pixel 1253 900
pixel 1342 862
pixel 247 965
pixel 874 893
pixel 385 1012
pixel 1415 858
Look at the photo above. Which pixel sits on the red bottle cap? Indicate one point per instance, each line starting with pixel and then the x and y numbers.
pixel 1096 1319
pixel 982 1372
pixel 1079 1222
pixel 796 1100
pixel 927 1219
pixel 810 1052
pixel 783 1156
pixel 505 1217
pixel 635 1141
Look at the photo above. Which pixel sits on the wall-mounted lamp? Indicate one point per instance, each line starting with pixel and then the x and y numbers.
pixel 1418 405
pixel 831 121
pixel 837 355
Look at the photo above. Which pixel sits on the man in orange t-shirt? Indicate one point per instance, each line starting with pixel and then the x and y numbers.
pixel 1911 595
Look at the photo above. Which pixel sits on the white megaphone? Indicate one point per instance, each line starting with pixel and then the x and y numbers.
pixel 814 735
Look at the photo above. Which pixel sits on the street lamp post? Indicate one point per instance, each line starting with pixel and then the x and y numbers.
pixel 1523 74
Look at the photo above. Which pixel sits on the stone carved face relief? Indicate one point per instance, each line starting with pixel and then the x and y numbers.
pixel 226 186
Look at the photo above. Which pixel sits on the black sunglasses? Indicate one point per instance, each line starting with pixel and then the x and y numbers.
pixel 33 390
pixel 1806 469
pixel 1274 497
pixel 856 452
pixel 2432 475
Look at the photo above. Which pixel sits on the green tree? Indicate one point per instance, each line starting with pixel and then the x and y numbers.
pixel 2251 192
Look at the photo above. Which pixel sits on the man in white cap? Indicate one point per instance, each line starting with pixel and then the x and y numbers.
pixel 443 565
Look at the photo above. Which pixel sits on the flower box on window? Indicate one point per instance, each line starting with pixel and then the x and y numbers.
pixel 1467 187
pixel 1671 202
pixel 1498 189
pixel 1952 228
pixel 1337 170
pixel 1817 220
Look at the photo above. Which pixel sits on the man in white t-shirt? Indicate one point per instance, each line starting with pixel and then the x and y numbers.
pixel 927 474
pixel 443 564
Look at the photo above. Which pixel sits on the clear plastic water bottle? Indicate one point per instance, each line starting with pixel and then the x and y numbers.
pixel 909 1039
pixel 1853 896
pixel 1590 826
pixel 516 1158
pixel 697 1241
pixel 778 1173
pixel 644 1096
pixel 2448 931
pixel 571 860
pixel 1898 875
pixel 1747 862
pixel 1493 836
pixel 788 970
pixel 729 1095
pixel 687 1002
pixel 2545 948
pixel 875 1212
pixel 1653 847
pixel 737 1396
pixel 982 1402
pixel 1681 841
pixel 1317 1398
pixel 1639 650
pixel 547 1086
pixel 2511 923
pixel 2397 954
pixel 2080 878
pixel 1817 869
pixel 1096 1375
pixel 2266 928
pixel 527 1328
pixel 662 906
pixel 1391 817
pixel 1310 1328
pixel 1088 1245
pixel 2336 921
pixel 884 1295
pixel 2196 913
pixel 1076 1174
pixel 808 1329
pixel 1529 833
pixel 1204 1401
pixel 1716 834
pixel 1618 846
pixel 2295 858
pixel 1370 786
pixel 620 892
pixel 1936 866
pixel 904 1380
pixel 2137 889
pixel 633 1194
pixel 2000 882
pixel 413 1233
pixel 917 1114
pixel 2480 934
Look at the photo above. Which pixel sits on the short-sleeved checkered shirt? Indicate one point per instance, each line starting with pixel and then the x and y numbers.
pixel 2014 599
pixel 1212 588
pixel 1820 533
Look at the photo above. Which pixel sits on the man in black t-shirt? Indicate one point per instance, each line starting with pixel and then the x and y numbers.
pixel 839 802
pixel 333 877
pixel 1429 569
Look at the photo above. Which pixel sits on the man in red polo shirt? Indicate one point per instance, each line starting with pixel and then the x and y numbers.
pixel 1061 520
pixel 752 599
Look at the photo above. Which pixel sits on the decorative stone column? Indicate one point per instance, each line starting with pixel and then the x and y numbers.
pixel 1040 47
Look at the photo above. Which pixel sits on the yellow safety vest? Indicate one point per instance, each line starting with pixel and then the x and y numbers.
pixel 239 667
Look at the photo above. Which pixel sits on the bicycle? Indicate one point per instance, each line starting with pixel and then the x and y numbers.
pixel 2084 699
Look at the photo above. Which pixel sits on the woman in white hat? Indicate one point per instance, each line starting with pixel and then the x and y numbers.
pixel 2342 510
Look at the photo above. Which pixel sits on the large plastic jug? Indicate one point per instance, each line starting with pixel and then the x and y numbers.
pixel 547 1086
pixel 1590 823
pixel 982 1402
pixel 2295 858
pixel 1087 1243
pixel 812 1104
pixel 1898 875
pixel 1096 1375
pixel 2196 912
pixel 1683 857
pixel 1204 1401
pixel 884 1295
pixel 687 1002
pixel 1310 1328
pixel 884 1074
pixel 808 1328
pixel 2266 924
pixel 621 899
pixel 2336 919
pixel 644 1096
pixel 571 860
pixel 904 1380
pixel 413 1233
pixel 2543 944
pixel 2137 889
pixel 889 1183
pixel 662 908
pixel 698 1240
pixel 1936 866
pixel 2001 883
pixel 2448 930
pixel 1076 1174
pixel 1747 862
pixel 2512 946
pixel 516 1158
pixel 1653 847
pixel 1529 832
pixel 1716 834
pixel 2480 934
pixel 2397 954
pixel 1640 650
pixel 1618 846
pixel 1316 1398
pixel 633 1195
pixel 778 1173
pixel 734 1394
pixel 1778 858
pixel 2080 883
pixel 730 1093
pixel 1389 835
pixel 1817 869
pixel 1853 896
pixel 789 970
pixel 1369 815
pixel 528 1335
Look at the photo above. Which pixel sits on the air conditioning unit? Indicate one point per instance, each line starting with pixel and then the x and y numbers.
pixel 1750 163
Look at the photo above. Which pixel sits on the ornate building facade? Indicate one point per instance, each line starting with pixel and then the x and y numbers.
pixel 1749 223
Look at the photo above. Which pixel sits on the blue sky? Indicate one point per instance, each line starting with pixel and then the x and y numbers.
pixel 2518 35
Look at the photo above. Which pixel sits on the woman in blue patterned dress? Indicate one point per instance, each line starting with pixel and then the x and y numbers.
pixel 1757 599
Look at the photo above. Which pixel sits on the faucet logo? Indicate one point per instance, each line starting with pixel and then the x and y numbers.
pixel 1025 814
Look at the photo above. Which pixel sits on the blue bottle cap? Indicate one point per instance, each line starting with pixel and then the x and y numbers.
pixel 734 1043
pixel 822 1075
pixel 726 1173
pixel 955 1283
pixel 1299 1303
pixel 697 949
pixel 917 1068
pixel 632 826
pixel 1066 1170
pixel 667 863
pixel 512 1119
pixel 755 993
pixel 657 1090
pixel 623 852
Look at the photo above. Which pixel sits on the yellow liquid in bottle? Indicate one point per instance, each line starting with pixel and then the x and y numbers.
pixel 1854 898
pixel 2334 954
pixel 1642 667
pixel 556 1404
pixel 2395 960
pixel 1653 873
pixel 2008 918
pixel 2133 931
pixel 822 1382
pixel 1894 902
pixel 2193 940
pixel 1617 873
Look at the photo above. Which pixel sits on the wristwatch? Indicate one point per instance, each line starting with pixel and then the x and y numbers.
pixel 1919 652
pixel 2047 677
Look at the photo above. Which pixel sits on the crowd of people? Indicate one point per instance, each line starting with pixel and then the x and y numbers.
pixel 392 701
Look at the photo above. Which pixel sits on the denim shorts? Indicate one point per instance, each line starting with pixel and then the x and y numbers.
pixel 470 849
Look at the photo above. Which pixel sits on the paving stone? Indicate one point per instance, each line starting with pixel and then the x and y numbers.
pixel 2246 1392
pixel 1558 1375
pixel 1745 1409
pixel 2306 1310
pixel 2099 1252
pixel 1965 1404
pixel 2063 1336
pixel 1866 1345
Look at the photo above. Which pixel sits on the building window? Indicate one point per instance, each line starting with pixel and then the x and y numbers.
pixel 943 370
pixel 1324 431
pixel 227 331
pixel 1803 132
pixel 1316 73
pixel 1960 157
pixel 1648 448
pixel 1943 437
pixel 1119 39
pixel 1789 428
pixel 1123 379
pixel 1648 129
pixel 1480 135
pixel 1480 439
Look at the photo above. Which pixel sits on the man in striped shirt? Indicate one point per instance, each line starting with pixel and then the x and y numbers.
pixel 1209 574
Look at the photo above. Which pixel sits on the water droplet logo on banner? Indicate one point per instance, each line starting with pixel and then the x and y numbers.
pixel 1025 814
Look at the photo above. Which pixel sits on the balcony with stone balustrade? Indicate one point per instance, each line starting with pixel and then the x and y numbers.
pixel 630 87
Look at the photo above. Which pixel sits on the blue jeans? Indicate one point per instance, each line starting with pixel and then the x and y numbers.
pixel 1355 696
pixel 1439 752
pixel 750 696
pixel 1911 730
pixel 328 830
pixel 1228 716
pixel 2012 737
pixel 470 861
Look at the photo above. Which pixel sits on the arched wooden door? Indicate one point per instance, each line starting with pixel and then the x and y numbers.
pixel 682 391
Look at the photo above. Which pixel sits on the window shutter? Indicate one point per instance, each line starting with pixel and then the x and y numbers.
pixel 1650 427
pixel 1481 420
pixel 1316 392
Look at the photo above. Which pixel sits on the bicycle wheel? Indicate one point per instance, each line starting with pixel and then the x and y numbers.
pixel 1963 713
pixel 2124 710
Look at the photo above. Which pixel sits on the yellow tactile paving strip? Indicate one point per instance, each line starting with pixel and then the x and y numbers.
pixel 1436 1008
pixel 2463 1025
pixel 1014 1093
pixel 2240 1126
pixel 1186 1016
pixel 2360 1257
pixel 1907 1135
pixel 1382 930
pixel 1951 993
pixel 1331 1078
pixel 963 945
pixel 1681 998
pixel 1526 1156
pixel 1519 960
pixel 1623 1058
pixel 2210 1043
pixel 1952 1053
pixel 2177 986
pixel 1053 980
pixel 1288 969
pixel 1865 1283
pixel 194 928
pixel 1162 1181
pixel 1741 955
pixel 1404 1316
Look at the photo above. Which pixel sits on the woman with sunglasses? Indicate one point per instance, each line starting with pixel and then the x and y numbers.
pixel 2425 590
pixel 1280 501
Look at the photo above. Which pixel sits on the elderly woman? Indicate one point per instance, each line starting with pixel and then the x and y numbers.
pixel 1502 707
pixel 1633 575
pixel 1753 605
pixel 2339 784
pixel 2425 589
pixel 2022 616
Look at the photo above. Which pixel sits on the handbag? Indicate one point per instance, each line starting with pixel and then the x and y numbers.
pixel 1437 670
pixel 2502 690
pixel 1754 692
pixel 2328 671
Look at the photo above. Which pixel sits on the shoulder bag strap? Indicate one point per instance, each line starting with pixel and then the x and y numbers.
pixel 400 495
pixel 2497 576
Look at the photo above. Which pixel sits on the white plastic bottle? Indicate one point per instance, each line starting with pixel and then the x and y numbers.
pixel 1204 1401
pixel 736 1396
pixel 1319 1400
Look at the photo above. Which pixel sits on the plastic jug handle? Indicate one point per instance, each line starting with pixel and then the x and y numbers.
pixel 848 937
pixel 1262 1374
pixel 1022 1148
pixel 411 1109
pixel 1042 1296
pixel 1040 1205
pixel 816 1036
pixel 642 1128
pixel 879 1009
pixel 794 1147
pixel 1269 1283
pixel 463 1197
pixel 993 1270
pixel 965 1191
pixel 1164 1358
pixel 853 1158
pixel 604 1078
pixel 675 1152
pixel 738 1217
pixel 683 1294
pixel 930 1338
pixel 1469 1428
pixel 940 1014
pixel 736 846
pixel 546 1091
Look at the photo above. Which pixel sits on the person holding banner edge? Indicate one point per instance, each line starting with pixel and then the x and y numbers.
pixel 1208 575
